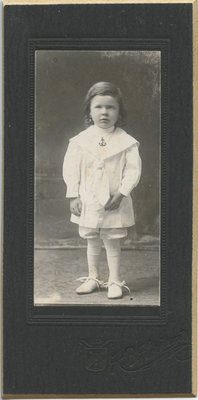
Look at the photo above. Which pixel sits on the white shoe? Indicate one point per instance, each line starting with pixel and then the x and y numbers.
pixel 89 285
pixel 115 289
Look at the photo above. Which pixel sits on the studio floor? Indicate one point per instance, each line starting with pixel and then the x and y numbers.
pixel 56 271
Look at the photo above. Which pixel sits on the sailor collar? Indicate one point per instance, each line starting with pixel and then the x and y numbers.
pixel 88 140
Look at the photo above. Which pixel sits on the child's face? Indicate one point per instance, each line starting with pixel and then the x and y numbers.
pixel 104 111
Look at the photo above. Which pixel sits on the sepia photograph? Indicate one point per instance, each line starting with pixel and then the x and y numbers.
pixel 97 178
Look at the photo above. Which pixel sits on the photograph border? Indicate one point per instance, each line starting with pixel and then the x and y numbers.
pixel 98 314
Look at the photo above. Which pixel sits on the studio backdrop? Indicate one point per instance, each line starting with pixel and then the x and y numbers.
pixel 62 79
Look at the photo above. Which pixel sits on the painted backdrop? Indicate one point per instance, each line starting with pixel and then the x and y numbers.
pixel 61 82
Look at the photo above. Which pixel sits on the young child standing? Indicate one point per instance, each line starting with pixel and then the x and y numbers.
pixel 101 167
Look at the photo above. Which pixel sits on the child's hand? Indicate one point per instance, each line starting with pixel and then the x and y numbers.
pixel 76 206
pixel 114 202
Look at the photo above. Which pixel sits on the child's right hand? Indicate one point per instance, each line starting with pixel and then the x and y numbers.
pixel 76 206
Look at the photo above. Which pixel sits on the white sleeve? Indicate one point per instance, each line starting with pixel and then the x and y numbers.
pixel 132 171
pixel 72 169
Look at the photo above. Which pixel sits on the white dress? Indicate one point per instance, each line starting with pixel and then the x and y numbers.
pixel 97 165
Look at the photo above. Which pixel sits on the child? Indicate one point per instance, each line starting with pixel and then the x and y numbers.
pixel 101 167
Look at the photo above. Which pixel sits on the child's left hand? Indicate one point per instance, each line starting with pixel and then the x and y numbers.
pixel 114 202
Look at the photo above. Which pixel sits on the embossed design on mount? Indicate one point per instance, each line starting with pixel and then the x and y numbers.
pixel 96 355
pixel 100 355
pixel 140 357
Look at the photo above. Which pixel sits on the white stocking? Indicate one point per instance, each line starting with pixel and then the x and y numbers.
pixel 113 251
pixel 93 256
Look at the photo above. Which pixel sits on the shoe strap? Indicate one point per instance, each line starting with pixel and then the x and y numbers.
pixel 120 284
pixel 84 279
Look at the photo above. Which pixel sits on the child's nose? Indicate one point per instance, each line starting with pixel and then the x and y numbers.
pixel 104 110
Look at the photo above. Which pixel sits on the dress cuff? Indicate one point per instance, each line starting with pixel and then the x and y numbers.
pixel 72 194
pixel 123 192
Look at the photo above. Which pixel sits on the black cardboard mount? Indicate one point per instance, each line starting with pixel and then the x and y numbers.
pixel 148 350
